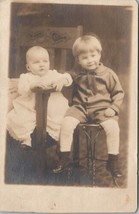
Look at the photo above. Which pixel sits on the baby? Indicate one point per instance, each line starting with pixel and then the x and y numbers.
pixel 21 120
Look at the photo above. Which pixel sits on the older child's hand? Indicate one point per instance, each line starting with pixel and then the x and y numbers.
pixel 60 84
pixel 109 112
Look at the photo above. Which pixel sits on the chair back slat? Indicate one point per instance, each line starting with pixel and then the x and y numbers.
pixel 51 37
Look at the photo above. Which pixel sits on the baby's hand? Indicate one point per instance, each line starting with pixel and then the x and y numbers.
pixel 38 84
pixel 49 85
pixel 109 112
pixel 60 84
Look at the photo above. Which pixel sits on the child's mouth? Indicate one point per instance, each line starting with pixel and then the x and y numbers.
pixel 92 65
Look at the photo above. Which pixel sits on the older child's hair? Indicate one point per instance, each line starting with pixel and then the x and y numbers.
pixel 88 42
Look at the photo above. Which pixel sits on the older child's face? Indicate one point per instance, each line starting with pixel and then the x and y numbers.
pixel 89 60
pixel 38 62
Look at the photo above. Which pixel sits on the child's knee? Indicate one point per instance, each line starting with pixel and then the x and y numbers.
pixel 111 126
pixel 69 124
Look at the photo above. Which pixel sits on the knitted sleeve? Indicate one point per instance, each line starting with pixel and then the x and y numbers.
pixel 116 91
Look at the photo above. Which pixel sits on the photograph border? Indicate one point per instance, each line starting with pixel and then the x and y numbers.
pixel 61 199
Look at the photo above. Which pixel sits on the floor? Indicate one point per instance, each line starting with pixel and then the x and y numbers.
pixel 27 167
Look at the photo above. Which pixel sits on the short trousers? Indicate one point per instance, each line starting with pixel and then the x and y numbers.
pixel 92 115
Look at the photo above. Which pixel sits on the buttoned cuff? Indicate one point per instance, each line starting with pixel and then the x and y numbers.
pixel 115 108
pixel 68 78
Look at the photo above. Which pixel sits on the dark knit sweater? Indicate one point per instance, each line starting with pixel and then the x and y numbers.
pixel 109 90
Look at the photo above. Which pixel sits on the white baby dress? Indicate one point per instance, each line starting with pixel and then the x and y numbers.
pixel 21 120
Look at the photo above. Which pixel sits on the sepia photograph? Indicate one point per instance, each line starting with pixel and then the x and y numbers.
pixel 68 106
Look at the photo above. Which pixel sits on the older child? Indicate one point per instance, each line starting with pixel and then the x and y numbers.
pixel 97 98
pixel 22 118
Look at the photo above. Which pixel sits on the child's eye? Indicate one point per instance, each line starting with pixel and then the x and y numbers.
pixel 84 57
pixel 35 62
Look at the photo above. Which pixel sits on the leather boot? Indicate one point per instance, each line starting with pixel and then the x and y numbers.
pixel 64 162
pixel 112 166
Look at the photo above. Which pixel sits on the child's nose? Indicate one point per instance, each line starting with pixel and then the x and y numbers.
pixel 89 59
pixel 41 64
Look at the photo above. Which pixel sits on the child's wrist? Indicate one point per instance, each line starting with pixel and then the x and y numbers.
pixel 32 86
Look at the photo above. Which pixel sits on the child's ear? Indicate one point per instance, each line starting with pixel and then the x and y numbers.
pixel 77 60
pixel 27 67
pixel 100 54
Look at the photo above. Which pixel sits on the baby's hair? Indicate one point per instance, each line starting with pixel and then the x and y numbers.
pixel 81 44
pixel 34 48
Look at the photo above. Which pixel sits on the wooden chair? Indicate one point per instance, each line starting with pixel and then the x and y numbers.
pixel 58 41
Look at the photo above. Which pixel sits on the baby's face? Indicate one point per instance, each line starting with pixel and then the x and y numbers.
pixel 38 62
pixel 89 60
